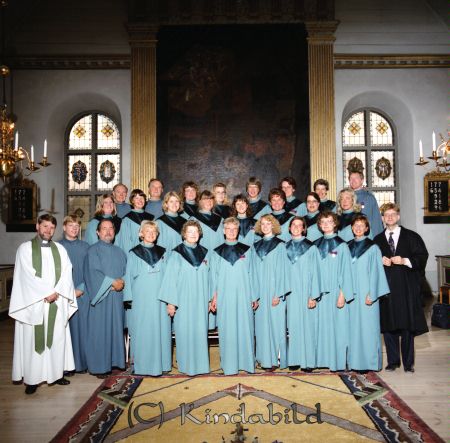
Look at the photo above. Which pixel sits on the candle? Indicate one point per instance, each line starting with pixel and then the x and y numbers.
pixel 32 153
pixel 16 141
pixel 434 142
pixel 420 149
pixel 45 148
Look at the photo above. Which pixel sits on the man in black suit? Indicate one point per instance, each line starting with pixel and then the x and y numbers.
pixel 404 258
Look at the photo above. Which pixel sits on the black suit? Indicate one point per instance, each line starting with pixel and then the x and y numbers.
pixel 401 312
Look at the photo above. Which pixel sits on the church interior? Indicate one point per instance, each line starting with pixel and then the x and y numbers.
pixel 119 91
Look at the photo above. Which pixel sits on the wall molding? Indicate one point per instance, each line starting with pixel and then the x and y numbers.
pixel 69 62
pixel 390 61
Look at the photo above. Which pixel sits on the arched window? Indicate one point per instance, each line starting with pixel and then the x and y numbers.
pixel 369 145
pixel 93 155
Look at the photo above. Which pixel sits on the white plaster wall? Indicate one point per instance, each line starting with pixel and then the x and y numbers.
pixel 45 102
pixel 417 101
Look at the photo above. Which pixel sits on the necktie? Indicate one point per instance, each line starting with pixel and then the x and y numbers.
pixel 391 243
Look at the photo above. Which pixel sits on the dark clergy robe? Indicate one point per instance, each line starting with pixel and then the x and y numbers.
pixel 105 348
pixel 77 250
pixel 402 309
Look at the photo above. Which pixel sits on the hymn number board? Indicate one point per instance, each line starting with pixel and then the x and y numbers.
pixel 22 208
pixel 437 202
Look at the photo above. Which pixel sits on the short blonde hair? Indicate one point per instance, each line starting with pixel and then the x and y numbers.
pixel 389 206
pixel 167 197
pixel 100 201
pixel 149 223
pixel 355 206
pixel 231 221
pixel 276 228
pixel 188 224
pixel 71 218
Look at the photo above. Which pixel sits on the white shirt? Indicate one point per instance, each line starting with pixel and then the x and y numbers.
pixel 395 237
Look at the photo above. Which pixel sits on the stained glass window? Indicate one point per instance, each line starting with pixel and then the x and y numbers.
pixel 95 167
pixel 369 146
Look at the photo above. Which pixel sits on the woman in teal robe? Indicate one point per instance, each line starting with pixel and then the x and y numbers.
pixel 289 185
pixel 128 237
pixel 370 284
pixel 304 273
pixel 347 209
pixel 240 209
pixel 277 200
pixel 333 309
pixel 149 324
pixel 269 276
pixel 105 208
pixel 171 222
pixel 185 289
pixel 233 301
pixel 311 217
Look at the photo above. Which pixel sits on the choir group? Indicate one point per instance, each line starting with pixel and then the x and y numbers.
pixel 286 283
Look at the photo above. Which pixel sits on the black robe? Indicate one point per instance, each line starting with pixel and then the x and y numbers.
pixel 402 308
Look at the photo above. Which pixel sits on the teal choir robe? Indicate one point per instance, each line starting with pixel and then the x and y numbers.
pixel 90 235
pixel 313 232
pixel 259 208
pixel 223 211
pixel 284 219
pixel 154 207
pixel 302 322
pixel 186 285
pixel 369 207
pixel 345 227
pixel 369 279
pixel 105 348
pixel 269 276
pixel 327 205
pixel 149 324
pixel 246 230
pixel 170 226
pixel 230 280
pixel 122 209
pixel 128 237
pixel 301 210
pixel 336 274
pixel 77 250
pixel 292 205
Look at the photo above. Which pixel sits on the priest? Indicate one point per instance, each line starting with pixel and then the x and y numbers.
pixel 42 301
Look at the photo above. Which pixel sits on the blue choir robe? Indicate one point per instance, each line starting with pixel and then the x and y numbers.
pixel 369 207
pixel 122 209
pixel 369 279
pixel 327 205
pixel 90 235
pixel 212 227
pixel 302 322
pixel 259 207
pixel 77 250
pixel 223 211
pixel 128 237
pixel 284 219
pixel 333 331
pixel 154 207
pixel 292 205
pixel 230 280
pixel 269 277
pixel 190 208
pixel 149 324
pixel 186 285
pixel 302 210
pixel 345 227
pixel 246 230
pixel 313 232
pixel 105 348
pixel 170 226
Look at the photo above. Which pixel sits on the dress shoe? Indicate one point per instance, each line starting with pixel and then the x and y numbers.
pixel 410 369
pixel 308 370
pixel 30 389
pixel 294 368
pixel 391 368
pixel 62 381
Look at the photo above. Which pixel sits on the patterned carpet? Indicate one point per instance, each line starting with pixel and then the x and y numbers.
pixel 272 407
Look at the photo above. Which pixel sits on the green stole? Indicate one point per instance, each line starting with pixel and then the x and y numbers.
pixel 39 340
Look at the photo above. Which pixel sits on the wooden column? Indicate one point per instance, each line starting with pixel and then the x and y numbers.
pixel 321 102
pixel 143 104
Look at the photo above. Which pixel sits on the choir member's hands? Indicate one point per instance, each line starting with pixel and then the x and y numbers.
pixel 213 304
pixel 275 301
pixel 171 310
pixel 369 302
pixel 386 261
pixel 341 300
pixel 397 260
pixel 51 298
pixel 118 285
pixel 311 303
pixel 78 293
pixel 255 305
